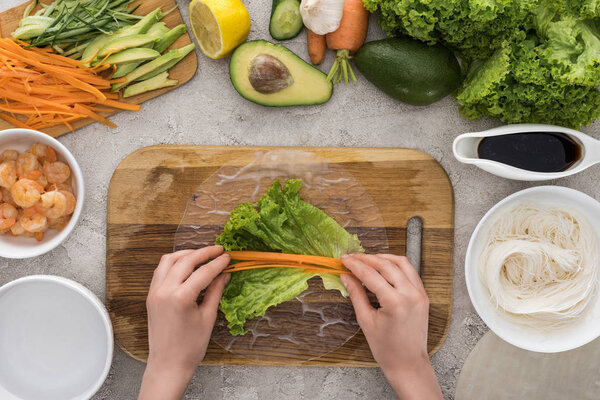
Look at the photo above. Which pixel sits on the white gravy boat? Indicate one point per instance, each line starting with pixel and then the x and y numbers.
pixel 465 150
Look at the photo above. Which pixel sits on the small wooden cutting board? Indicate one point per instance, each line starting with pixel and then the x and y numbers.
pixel 149 192
pixel 182 71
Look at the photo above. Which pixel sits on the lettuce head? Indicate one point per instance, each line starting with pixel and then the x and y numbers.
pixel 526 60
pixel 280 222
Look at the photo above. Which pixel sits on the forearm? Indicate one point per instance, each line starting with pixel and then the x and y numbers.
pixel 416 383
pixel 164 383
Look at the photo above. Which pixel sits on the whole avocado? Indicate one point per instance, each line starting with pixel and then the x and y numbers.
pixel 409 70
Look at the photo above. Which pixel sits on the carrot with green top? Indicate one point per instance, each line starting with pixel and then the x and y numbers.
pixel 347 39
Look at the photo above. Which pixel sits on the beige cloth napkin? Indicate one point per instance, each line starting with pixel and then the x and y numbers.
pixel 496 370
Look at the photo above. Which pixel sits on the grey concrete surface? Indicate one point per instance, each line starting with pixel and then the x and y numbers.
pixel 208 111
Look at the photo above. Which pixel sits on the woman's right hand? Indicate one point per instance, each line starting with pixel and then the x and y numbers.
pixel 397 330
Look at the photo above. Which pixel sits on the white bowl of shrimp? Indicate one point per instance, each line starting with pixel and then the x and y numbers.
pixel 41 193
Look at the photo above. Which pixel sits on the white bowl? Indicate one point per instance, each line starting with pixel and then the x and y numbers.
pixel 585 329
pixel 22 247
pixel 56 340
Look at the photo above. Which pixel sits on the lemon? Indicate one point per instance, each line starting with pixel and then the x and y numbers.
pixel 219 25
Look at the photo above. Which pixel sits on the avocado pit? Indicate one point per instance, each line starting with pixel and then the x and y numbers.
pixel 269 75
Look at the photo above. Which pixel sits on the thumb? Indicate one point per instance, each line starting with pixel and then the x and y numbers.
pixel 212 297
pixel 359 298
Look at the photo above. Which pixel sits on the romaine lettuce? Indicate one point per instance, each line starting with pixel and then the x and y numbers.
pixel 280 222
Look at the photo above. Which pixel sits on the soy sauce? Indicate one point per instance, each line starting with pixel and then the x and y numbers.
pixel 532 151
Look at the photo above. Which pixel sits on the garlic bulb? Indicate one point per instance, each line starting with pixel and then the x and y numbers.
pixel 322 16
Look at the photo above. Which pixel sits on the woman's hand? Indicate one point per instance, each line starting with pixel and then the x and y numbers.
pixel 178 328
pixel 397 331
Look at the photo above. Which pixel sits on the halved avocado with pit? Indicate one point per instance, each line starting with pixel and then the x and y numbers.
pixel 272 75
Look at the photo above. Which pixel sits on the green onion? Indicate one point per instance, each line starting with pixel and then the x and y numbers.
pixel 67 22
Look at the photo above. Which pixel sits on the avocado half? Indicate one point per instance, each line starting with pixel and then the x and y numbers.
pixel 272 75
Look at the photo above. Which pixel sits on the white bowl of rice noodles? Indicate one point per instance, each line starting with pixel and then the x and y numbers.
pixel 532 269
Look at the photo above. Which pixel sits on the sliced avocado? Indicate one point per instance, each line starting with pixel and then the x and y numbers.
pixel 159 29
pixel 126 42
pixel 170 37
pixel 143 25
pixel 140 27
pixel 183 51
pixel 124 69
pixel 158 82
pixel 272 75
pixel 91 51
pixel 155 66
pixel 133 55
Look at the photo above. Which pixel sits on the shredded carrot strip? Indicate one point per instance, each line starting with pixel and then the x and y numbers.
pixel 84 110
pixel 13 121
pixel 312 270
pixel 41 89
pixel 234 269
pixel 285 257
pixel 326 271
pixel 248 260
pixel 121 105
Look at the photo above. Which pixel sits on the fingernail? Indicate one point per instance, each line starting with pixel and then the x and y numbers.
pixel 227 278
pixel 345 256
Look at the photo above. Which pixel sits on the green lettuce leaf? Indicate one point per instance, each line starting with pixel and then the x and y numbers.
pixel 528 60
pixel 280 222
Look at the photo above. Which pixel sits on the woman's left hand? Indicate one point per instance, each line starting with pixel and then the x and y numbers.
pixel 178 327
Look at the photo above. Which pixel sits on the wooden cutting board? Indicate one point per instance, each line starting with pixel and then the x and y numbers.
pixel 183 71
pixel 149 192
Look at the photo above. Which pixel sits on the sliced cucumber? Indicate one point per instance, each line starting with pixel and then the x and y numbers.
pixel 286 21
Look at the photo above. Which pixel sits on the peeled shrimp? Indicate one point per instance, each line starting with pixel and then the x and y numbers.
pixel 43 152
pixel 8 174
pixel 8 216
pixel 56 172
pixel 62 187
pixel 17 229
pixel 9 155
pixel 33 221
pixel 26 192
pixel 26 163
pixel 6 197
pixel 35 192
pixel 42 181
pixel 58 204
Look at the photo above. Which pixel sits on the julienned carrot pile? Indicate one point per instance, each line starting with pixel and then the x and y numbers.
pixel 311 264
pixel 40 89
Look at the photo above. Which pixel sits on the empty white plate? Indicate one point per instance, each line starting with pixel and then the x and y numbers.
pixel 56 340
